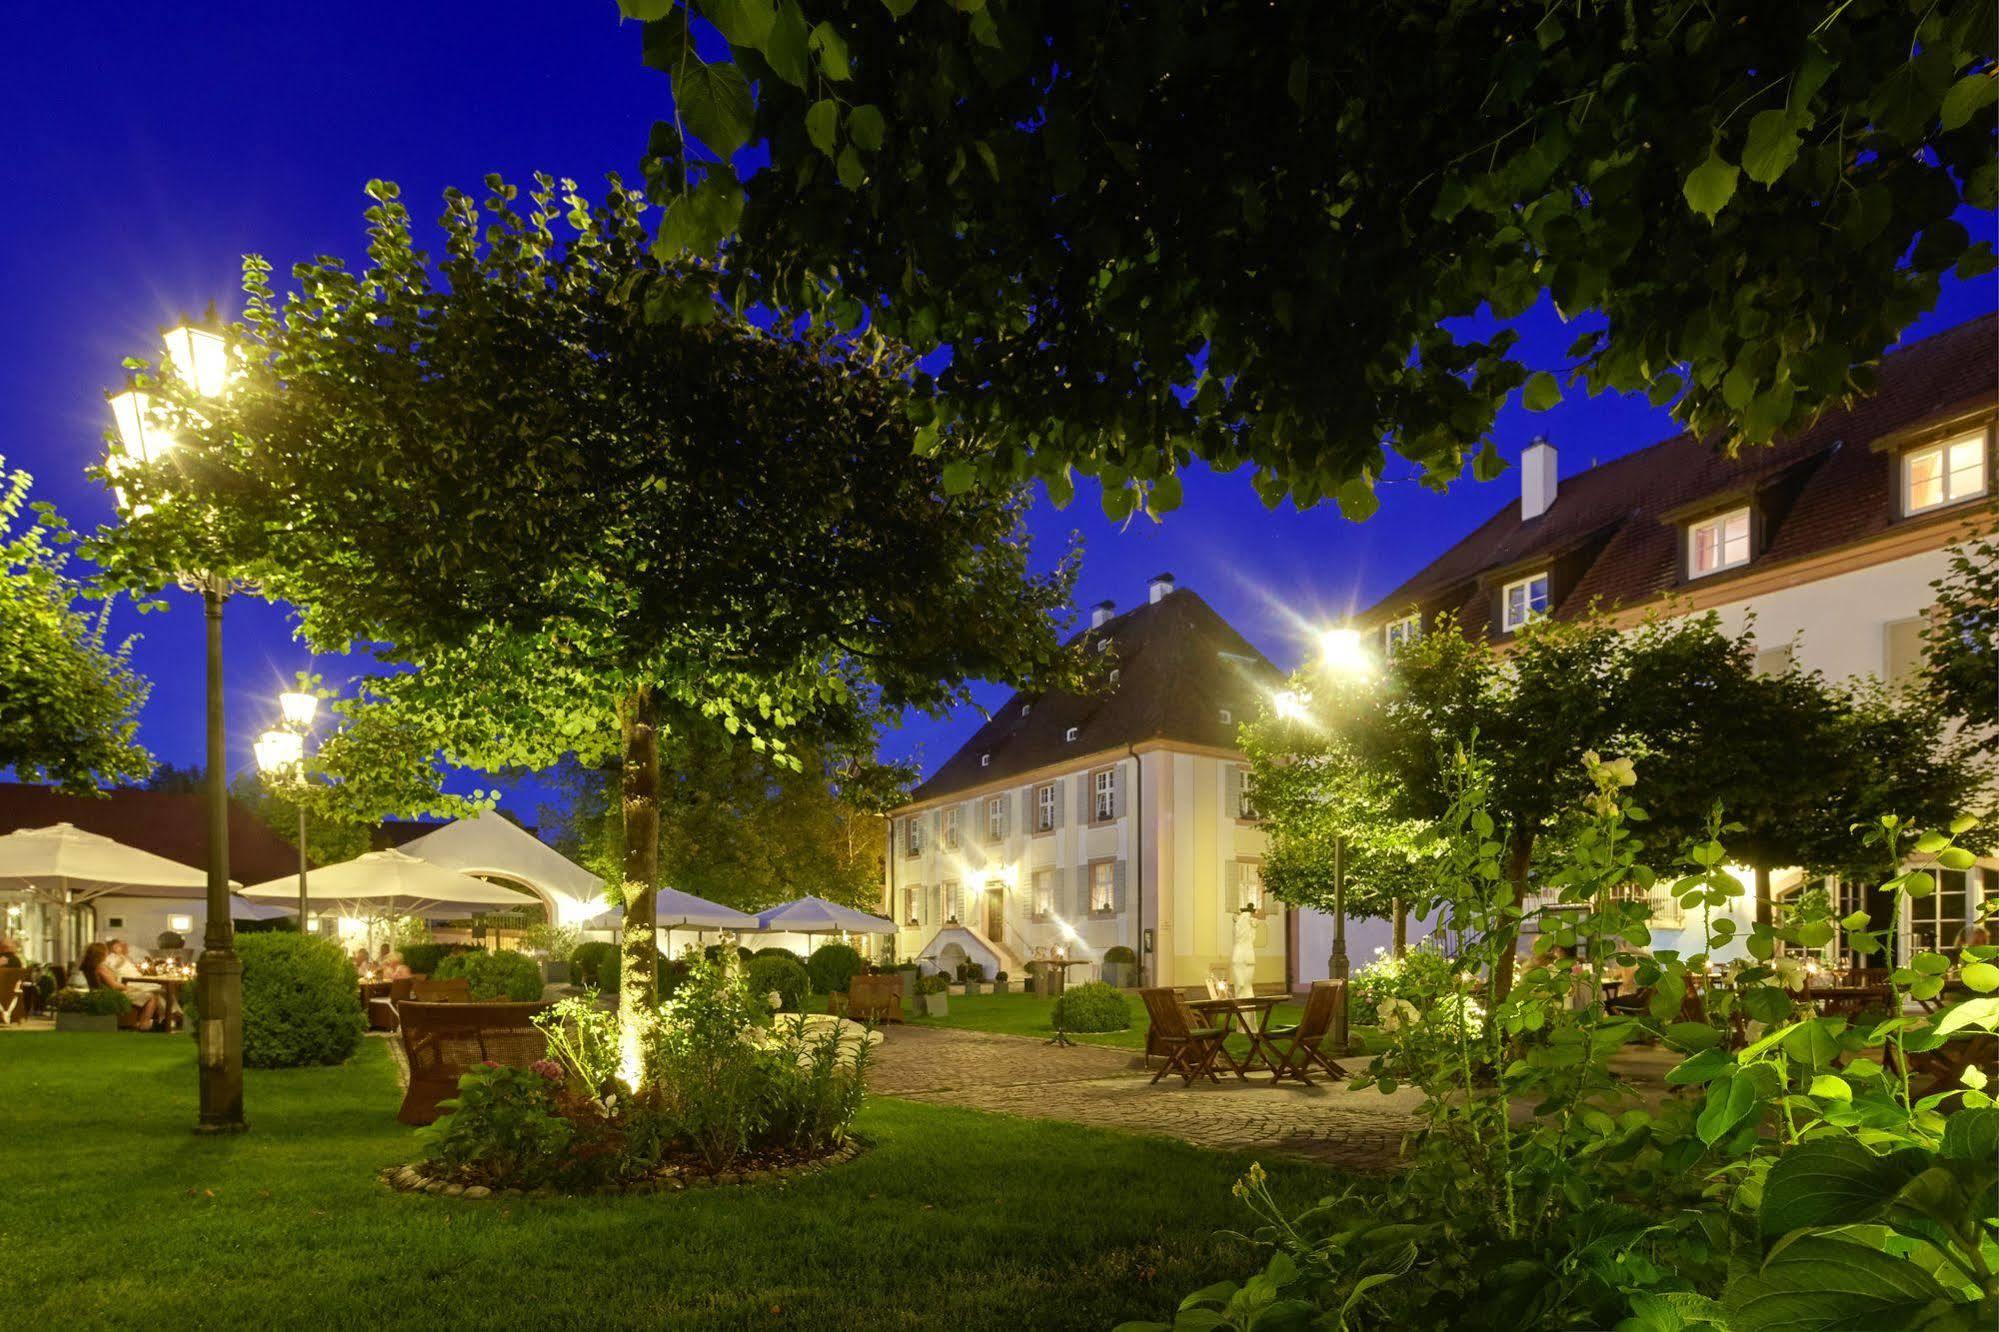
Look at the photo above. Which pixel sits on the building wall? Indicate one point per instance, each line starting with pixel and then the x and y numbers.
pixel 1173 837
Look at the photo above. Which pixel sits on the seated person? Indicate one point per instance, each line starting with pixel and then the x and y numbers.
pixel 10 952
pixel 99 974
pixel 394 968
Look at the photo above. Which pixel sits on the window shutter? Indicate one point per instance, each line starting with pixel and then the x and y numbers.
pixel 1006 815
pixel 1232 888
pixel 1117 791
pixel 1233 807
pixel 1082 891
pixel 1058 801
pixel 1904 648
pixel 1083 784
pixel 1117 887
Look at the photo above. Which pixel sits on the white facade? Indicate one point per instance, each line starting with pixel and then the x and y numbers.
pixel 1142 847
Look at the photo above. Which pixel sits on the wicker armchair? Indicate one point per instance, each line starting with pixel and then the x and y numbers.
pixel 444 1040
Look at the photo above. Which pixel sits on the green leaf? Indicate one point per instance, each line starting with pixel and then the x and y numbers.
pixel 1831 1087
pixel 957 477
pixel 1971 1013
pixel 1487 464
pixel 1772 146
pixel 1297 83
pixel 785 51
pixel 1821 1284
pixel 1542 392
pixel 741 22
pixel 1703 1067
pixel 822 124
pixel 1971 1135
pixel 1730 1100
pixel 1833 1182
pixel 898 8
pixel 1814 1043
pixel 848 166
pixel 645 11
pixel 865 124
pixel 715 104
pixel 1980 976
pixel 1357 499
pixel 1710 185
pixel 832 49
pixel 698 220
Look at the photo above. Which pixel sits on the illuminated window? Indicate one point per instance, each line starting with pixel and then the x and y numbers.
pixel 1720 542
pixel 1525 599
pixel 1044 807
pixel 1249 889
pixel 1103 888
pixel 951 829
pixel 1103 807
pixel 910 897
pixel 1405 630
pixel 996 819
pixel 180 924
pixel 951 899
pixel 912 835
pixel 1044 893
pixel 1945 473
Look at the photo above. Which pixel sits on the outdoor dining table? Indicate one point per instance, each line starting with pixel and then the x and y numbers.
pixel 1238 1012
pixel 169 988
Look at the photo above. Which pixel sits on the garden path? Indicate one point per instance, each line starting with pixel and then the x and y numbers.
pixel 1021 1075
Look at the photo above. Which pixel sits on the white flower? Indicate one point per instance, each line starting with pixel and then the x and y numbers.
pixel 775 1000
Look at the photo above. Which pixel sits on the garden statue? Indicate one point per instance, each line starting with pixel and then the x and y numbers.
pixel 1242 960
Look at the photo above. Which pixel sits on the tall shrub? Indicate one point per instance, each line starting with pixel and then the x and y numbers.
pixel 301 1001
pixel 832 967
pixel 495 975
pixel 783 976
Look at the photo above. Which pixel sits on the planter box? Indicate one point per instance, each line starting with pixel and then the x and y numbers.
pixel 555 973
pixel 936 1005
pixel 975 987
pixel 909 987
pixel 86 1021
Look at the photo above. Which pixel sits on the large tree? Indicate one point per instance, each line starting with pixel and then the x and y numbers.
pixel 1247 231
pixel 69 703
pixel 1961 640
pixel 570 526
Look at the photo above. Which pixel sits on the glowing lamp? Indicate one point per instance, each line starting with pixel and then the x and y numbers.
pixel 1291 705
pixel 144 440
pixel 200 357
pixel 279 753
pixel 298 709
pixel 1344 651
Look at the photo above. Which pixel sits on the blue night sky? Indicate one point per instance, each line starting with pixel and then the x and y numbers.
pixel 153 150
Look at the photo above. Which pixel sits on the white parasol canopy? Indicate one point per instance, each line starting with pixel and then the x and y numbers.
pixel 815 915
pixel 678 910
pixel 389 883
pixel 64 863
pixel 486 843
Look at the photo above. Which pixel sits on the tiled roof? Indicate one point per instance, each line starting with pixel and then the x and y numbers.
pixel 167 823
pixel 1837 491
pixel 1180 665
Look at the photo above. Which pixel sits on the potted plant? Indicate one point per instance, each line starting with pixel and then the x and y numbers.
pixel 1000 983
pixel 91 1010
pixel 972 975
pixel 932 989
pixel 1120 966
pixel 170 941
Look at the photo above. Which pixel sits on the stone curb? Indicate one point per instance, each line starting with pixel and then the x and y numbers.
pixel 408 1179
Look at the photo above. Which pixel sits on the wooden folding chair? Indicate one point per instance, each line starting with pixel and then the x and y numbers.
pixel 1189 1050
pixel 1297 1059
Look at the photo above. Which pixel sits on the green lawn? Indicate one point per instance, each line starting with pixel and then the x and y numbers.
pixel 114 1213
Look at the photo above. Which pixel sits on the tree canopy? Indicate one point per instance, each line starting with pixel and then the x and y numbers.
pixel 1961 640
pixel 1257 233
pixel 567 526
pixel 69 704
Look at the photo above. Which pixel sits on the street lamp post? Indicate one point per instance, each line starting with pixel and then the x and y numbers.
pixel 200 358
pixel 1342 652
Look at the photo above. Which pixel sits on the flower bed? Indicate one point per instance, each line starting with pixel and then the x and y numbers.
pixel 723 1088
pixel 667 1179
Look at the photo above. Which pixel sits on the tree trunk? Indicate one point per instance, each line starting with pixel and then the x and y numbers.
pixel 1401 927
pixel 1520 855
pixel 1766 904
pixel 638 970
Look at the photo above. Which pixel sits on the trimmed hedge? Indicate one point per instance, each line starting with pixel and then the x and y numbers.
pixel 596 963
pixel 494 976
pixel 784 974
pixel 96 1003
pixel 1092 1006
pixel 301 1001
pixel 423 958
pixel 1119 953
pixel 832 967
pixel 777 952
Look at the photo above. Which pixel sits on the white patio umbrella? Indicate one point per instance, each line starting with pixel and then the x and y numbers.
pixel 685 911
pixel 390 883
pixel 65 865
pixel 815 915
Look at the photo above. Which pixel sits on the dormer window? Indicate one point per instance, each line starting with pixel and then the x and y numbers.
pixel 1226 716
pixel 1114 677
pixel 1405 630
pixel 1942 474
pixel 1717 543
pixel 1026 708
pixel 1069 734
pixel 1524 599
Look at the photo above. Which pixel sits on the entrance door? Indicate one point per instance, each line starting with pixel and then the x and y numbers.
pixel 996 914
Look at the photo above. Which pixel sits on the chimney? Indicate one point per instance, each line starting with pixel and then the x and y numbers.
pixel 1159 585
pixel 1537 479
pixel 1102 611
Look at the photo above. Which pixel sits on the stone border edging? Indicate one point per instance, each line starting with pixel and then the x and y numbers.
pixel 408 1179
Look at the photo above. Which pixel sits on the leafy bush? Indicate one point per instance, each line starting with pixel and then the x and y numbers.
pixel 583 1038
pixel 170 941
pixel 934 983
pixel 596 963
pixel 1092 1006
pixel 832 967
pixel 94 1003
pixel 517 1127
pixel 815 1089
pixel 1119 953
pixel 423 959
pixel 494 976
pixel 971 971
pixel 710 1075
pixel 301 1001
pixel 773 951
pixel 1418 976
pixel 783 975
pixel 554 942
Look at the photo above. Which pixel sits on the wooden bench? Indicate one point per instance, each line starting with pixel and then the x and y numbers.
pixel 444 1040
pixel 457 990
pixel 869 999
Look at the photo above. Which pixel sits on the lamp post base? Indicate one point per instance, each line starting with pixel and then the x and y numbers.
pixel 218 986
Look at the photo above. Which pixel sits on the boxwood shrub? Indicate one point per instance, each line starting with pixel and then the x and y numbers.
pixel 596 963
pixel 422 958
pixel 96 1003
pixel 301 1001
pixel 1092 1006
pixel 494 976
pixel 774 951
pixel 832 966
pixel 782 973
